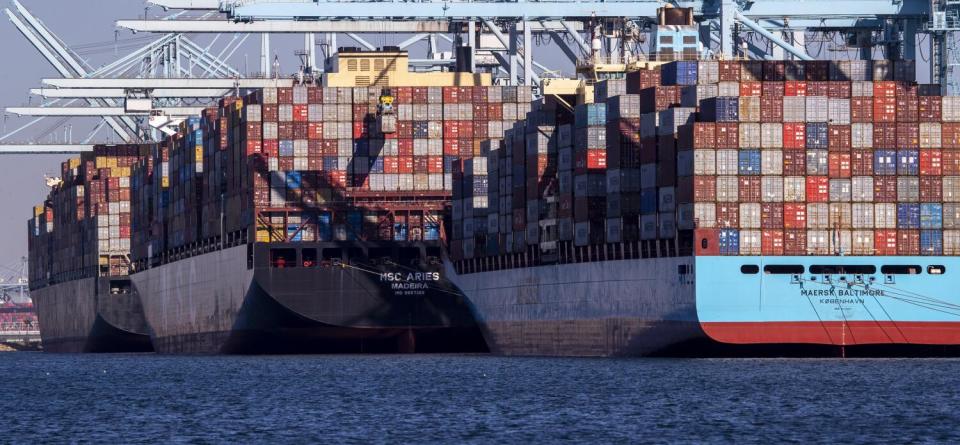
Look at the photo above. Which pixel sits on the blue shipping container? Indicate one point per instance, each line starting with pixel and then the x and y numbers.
pixel 817 135
pixel 679 73
pixel 749 162
pixel 648 201
pixel 931 242
pixel 375 167
pixel 729 242
pixel 908 162
pixel 591 114
pixel 324 231
pixel 294 180
pixel 908 215
pixel 720 109
pixel 884 162
pixel 294 233
pixel 931 216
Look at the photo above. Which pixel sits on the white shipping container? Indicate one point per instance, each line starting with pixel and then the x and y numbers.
pixel 862 89
pixel 705 215
pixel 841 215
pixel 951 215
pixel 839 111
pixel 750 242
pixel 705 161
pixel 794 109
pixel 818 215
pixel 862 242
pixel 930 135
pixel 951 242
pixel 818 242
pixel 728 189
pixel 908 189
pixel 863 215
pixel 749 215
pixel 728 89
pixel 839 190
pixel 727 162
pixel 771 135
pixel 771 162
pixel 861 188
pixel 794 189
pixel 885 215
pixel 818 162
pixel 750 135
pixel 950 109
pixel 816 108
pixel 951 189
pixel 771 188
pixel 861 135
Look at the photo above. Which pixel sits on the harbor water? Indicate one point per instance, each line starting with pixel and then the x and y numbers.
pixel 53 398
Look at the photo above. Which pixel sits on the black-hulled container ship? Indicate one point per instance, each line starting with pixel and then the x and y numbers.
pixel 79 241
pixel 308 217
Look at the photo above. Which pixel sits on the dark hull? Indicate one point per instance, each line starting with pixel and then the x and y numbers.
pixel 235 301
pixel 84 316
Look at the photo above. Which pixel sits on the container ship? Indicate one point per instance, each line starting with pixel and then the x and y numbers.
pixel 308 217
pixel 79 241
pixel 706 205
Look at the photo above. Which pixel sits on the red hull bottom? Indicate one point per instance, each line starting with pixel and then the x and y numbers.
pixel 835 333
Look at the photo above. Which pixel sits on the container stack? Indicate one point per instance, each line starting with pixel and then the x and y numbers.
pixel 91 236
pixel 590 173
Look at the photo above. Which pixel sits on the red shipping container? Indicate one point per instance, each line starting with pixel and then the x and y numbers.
pixel 906 89
pixel 254 146
pixel 884 109
pixel 404 164
pixel 404 95
pixel 300 113
pixel 839 165
pixel 931 188
pixel 467 148
pixel 771 215
pixel 329 147
pixel 908 135
pixel 315 130
pixel 885 135
pixel 451 129
pixel 818 88
pixel 884 88
pixel 285 95
pixel 908 242
pixel 359 111
pixel 794 163
pixel 950 161
pixel 391 164
pixel 271 147
pixel 405 147
pixel 314 148
pixel 950 134
pixel 907 109
pixel 728 215
pixel 773 88
pixel 795 88
pixel 795 242
pixel 749 188
pixel 928 108
pixel 728 135
pixel 838 138
pixel 771 242
pixel 839 89
pixel 931 162
pixel 480 129
pixel 451 95
pixel 435 164
pixel 771 109
pixel 359 130
pixel 751 88
pixel 301 130
pixel 861 162
pixel 271 113
pixel 885 242
pixel 794 135
pixel 707 242
pixel 404 129
pixel 465 129
pixel 885 188
pixel 818 189
pixel 861 109
pixel 794 215
pixel 479 111
pixel 466 94
pixel 729 71
pixel 704 134
pixel 704 188
pixel 285 130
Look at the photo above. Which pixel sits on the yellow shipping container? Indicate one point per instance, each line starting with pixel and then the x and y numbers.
pixel 74 162
pixel 165 182
pixel 38 210
pixel 263 236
